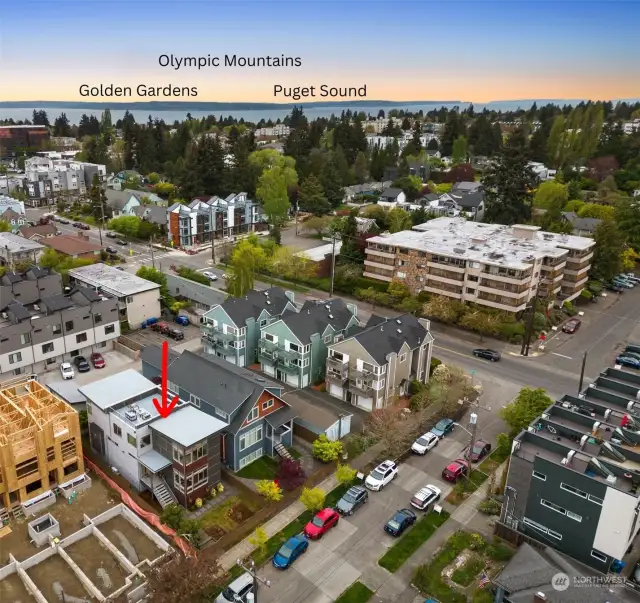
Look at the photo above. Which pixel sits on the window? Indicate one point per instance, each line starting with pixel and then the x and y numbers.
pixel 574 516
pixel 554 534
pixel 269 337
pixel 327 339
pixel 402 358
pixel 47 348
pixel 25 338
pixel 337 355
pixel 13 358
pixel 97 318
pixel 81 337
pixel 109 329
pixel 294 347
pixel 472 278
pixel 471 291
pixel 598 555
pixel 253 415
pixel 305 362
pixel 568 488
pixel 131 440
pixel 222 414
pixel 263 323
pixel 561 510
pixel 178 455
pixel 129 299
pixel 595 499
pixel 145 441
pixel 251 437
pixel 252 456
pixel 195 452
pixel 198 479
pixel 540 476
pixel 57 329
pixel 68 325
pixel 172 387
pixel 117 430
pixel 195 400
pixel 178 480
pixel 266 405
pixel 89 409
pixel 401 274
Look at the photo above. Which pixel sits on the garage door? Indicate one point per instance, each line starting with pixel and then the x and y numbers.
pixel 366 403
pixel 231 359
pixel 292 380
pixel 335 390
pixel 268 368
pixel 241 361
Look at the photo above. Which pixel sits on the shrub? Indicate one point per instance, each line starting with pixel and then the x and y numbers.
pixel 415 387
pixel 586 294
pixel 313 498
pixel 172 516
pixel 269 489
pixel 325 450
pixel 290 474
pixel 435 362
pixel 345 474
pixel 489 506
pixel 512 331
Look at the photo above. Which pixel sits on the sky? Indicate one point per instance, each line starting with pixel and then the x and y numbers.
pixel 475 51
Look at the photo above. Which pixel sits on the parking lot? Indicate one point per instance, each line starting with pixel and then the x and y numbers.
pixel 149 337
pixel 351 550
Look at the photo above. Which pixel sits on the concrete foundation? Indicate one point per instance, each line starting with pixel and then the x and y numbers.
pixel 43 529
pixel 38 504
pixel 81 483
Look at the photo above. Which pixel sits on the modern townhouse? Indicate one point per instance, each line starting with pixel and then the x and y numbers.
pixel 573 480
pixel 7 202
pixel 231 330
pixel 29 286
pixel 40 447
pixel 211 217
pixel 294 348
pixel 138 299
pixel 36 336
pixel 279 131
pixel 257 421
pixel 176 458
pixel 498 266
pixel 16 250
pixel 376 365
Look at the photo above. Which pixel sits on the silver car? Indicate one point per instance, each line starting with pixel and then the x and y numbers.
pixel 237 591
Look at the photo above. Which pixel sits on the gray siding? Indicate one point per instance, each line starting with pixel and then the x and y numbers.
pixel 519 479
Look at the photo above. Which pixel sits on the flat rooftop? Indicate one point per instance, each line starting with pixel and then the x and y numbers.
pixel 111 280
pixel 318 254
pixel 17 244
pixel 116 389
pixel 511 246
pixel 188 425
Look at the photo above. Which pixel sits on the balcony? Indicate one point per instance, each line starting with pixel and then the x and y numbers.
pixel 336 376
pixel 446 277
pixel 440 291
pixel 377 276
pixel 380 265
pixel 382 254
pixel 506 275
pixel 364 376
pixel 292 369
pixel 360 388
pixel 215 334
pixel 340 366
pixel 450 267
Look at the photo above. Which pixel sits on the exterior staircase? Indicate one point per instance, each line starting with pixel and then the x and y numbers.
pixel 164 495
pixel 282 451
pixel 17 511
pixel 4 516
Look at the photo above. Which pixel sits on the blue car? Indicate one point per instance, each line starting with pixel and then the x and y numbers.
pixel 442 427
pixel 290 551
pixel 182 320
pixel 402 519
pixel 628 361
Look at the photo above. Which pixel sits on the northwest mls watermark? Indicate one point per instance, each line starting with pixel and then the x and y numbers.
pixel 561 581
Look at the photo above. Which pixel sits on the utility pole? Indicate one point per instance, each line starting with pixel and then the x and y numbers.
pixel 584 364
pixel 251 570
pixel 213 248
pixel 473 424
pixel 297 205
pixel 333 263
pixel 526 342
pixel 153 258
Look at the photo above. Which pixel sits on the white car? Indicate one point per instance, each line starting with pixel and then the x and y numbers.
pixel 67 371
pixel 381 475
pixel 425 443
pixel 210 275
pixel 425 497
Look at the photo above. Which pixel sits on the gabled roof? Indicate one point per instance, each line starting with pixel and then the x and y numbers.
pixel 239 309
pixel 471 199
pixel 585 224
pixel 42 230
pixel 465 187
pixel 58 302
pixel 391 193
pixel 384 336
pixel 315 316
pixel 71 244
pixel 118 199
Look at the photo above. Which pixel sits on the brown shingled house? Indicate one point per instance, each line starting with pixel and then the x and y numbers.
pixel 78 246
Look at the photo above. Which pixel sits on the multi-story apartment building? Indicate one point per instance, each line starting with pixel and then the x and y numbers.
pixel 279 130
pixel 22 138
pixel 40 446
pixel 138 299
pixel 257 421
pixel 16 250
pixel 629 127
pixel 177 458
pixel 293 349
pixel 574 475
pixel 231 330
pixel 36 336
pixel 210 217
pixel 492 265
pixel 374 366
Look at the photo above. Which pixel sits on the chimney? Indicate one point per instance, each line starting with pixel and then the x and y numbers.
pixel 539 597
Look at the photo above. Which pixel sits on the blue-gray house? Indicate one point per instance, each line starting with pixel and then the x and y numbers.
pixel 259 422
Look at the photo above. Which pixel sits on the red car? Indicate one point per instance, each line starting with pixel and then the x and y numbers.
pixel 321 523
pixel 571 326
pixel 480 450
pixel 97 360
pixel 455 470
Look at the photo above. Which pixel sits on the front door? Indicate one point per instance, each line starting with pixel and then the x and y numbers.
pixel 349 397
pixel 279 375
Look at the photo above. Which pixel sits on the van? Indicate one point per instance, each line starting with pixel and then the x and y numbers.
pixel 237 591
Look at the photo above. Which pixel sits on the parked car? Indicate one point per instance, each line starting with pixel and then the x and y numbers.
pixel 121 242
pixel 76 224
pixel 381 475
pixel 182 320
pixel 290 551
pixel 425 443
pixel 111 235
pixel 455 470
pixel 426 496
pixel 628 361
pixel 66 370
pixel 84 226
pixel 402 519
pixel 629 354
pixel 148 322
pixel 111 250
pixel 210 275
pixel 160 327
pixel 322 522
pixel 443 427
pixel 623 282
pixel 176 334
pixel 487 354
pixel 480 450
pixel 237 591
pixel 352 499
pixel 97 360
pixel 631 277
pixel 613 287
pixel 81 364
pixel 571 326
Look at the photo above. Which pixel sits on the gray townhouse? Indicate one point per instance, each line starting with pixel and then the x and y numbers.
pixel 257 421
pixel 37 336
pixel 374 366
pixel 231 330
pixel 176 458
pixel 573 479
pixel 294 348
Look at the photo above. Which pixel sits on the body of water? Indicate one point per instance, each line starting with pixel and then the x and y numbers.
pixel 141 115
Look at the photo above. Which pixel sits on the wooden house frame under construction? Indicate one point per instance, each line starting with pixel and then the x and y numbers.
pixel 40 444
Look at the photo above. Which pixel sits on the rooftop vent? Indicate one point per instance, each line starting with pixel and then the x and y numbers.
pixel 131 415
pixel 398 321
pixel 331 316
pixel 36 307
pixel 399 331
pixel 268 303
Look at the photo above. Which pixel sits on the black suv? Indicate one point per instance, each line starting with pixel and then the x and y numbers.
pixel 351 500
pixel 81 364
pixel 176 334
pixel 487 354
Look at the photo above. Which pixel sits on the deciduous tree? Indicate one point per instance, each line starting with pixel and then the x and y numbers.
pixel 528 404
pixel 247 259
pixel 607 262
pixel 272 192
pixel 269 489
pixel 313 499
pixel 345 474
pixel 325 450
pixel 628 220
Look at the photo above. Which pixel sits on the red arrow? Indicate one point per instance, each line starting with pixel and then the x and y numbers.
pixel 167 405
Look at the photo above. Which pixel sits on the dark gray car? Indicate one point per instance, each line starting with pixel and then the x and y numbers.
pixel 353 498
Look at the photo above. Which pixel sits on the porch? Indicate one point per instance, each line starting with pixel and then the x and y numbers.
pixel 150 466
pixel 279 431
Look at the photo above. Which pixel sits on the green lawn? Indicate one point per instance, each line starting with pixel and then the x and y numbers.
pixel 221 515
pixel 356 593
pixel 494 460
pixel 465 487
pixel 294 453
pixel 412 540
pixel 466 574
pixel 262 468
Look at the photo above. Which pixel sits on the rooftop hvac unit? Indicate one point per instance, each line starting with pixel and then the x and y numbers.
pixel 130 415
pixel 36 307
pixel 144 414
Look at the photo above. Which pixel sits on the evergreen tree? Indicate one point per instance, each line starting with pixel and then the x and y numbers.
pixel 360 168
pixel 414 146
pixel 453 129
pixel 350 250
pixel 61 126
pixel 607 261
pixel 311 197
pixel 332 188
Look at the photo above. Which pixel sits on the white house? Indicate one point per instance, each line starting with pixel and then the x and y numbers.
pixel 392 197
